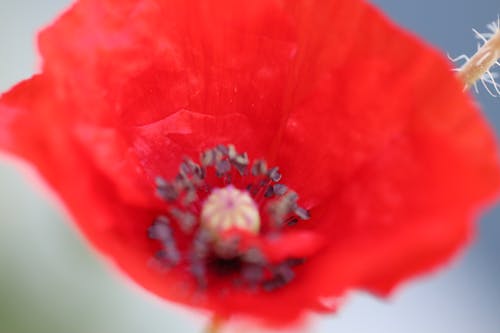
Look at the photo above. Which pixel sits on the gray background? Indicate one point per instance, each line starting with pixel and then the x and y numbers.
pixel 50 281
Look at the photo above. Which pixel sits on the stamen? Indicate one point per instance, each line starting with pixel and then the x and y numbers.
pixel 269 192
pixel 253 274
pixel 279 189
pixel 208 158
pixel 213 206
pixel 166 190
pixel 160 230
pixel 222 167
pixel 274 174
pixel 187 220
pixel 259 168
pixel 302 213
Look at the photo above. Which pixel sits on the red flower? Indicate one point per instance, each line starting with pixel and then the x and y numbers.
pixel 389 158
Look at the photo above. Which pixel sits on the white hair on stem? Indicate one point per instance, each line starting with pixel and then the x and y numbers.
pixel 480 67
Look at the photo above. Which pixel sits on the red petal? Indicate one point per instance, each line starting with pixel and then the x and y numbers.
pixel 177 57
pixel 395 163
pixel 369 126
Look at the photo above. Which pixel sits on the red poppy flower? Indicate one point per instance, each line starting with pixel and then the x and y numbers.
pixel 162 124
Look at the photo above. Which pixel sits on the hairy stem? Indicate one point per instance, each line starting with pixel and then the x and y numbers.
pixel 482 61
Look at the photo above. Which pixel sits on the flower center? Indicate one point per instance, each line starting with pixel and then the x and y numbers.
pixel 227 209
pixel 216 210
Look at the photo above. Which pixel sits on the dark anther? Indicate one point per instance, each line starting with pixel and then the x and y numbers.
pixel 259 168
pixel 190 197
pixel 188 167
pixel 160 182
pixel 169 255
pixel 274 174
pixel 240 162
pixel 181 178
pixel 201 244
pixel 160 229
pixel 273 284
pixel 269 192
pixel 291 199
pixel 199 172
pixel 222 167
pixel 200 251
pixel 231 152
pixel 292 221
pixel 254 255
pixel 165 189
pixel 242 159
pixel 198 269
pixel 285 272
pixel 186 220
pixel 288 203
pixel 242 169
pixel 208 158
pixel 279 189
pixel 302 213
pixel 222 149
pixel 281 208
pixel 252 273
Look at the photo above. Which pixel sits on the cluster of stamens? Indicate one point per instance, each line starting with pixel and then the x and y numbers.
pixel 212 206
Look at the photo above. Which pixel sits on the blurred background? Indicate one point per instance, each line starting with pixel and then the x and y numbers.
pixel 50 281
